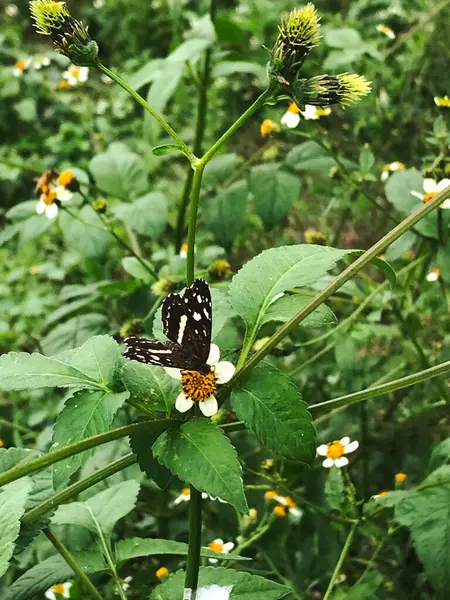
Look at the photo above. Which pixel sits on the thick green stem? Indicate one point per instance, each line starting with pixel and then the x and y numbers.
pixel 195 543
pixel 339 281
pixel 173 134
pixel 192 226
pixel 73 490
pixel 70 560
pixel 340 562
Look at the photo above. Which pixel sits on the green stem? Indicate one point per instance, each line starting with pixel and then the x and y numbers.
pixel 340 562
pixel 385 388
pixel 71 449
pixel 70 560
pixel 76 488
pixel 149 109
pixel 195 543
pixel 339 281
pixel 16 426
pixel 192 225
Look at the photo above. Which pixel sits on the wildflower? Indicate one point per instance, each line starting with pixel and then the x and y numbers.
pixel 183 251
pixel 63 84
pixel 53 189
pixel 163 286
pixel 219 545
pixel 251 518
pixel 340 578
pixel 431 187
pixel 162 572
pixel 60 589
pixel 334 452
pixel 313 236
pixel 279 512
pixel 75 75
pixel 381 494
pixel 391 168
pixel 298 32
pixel 400 478
pixel 220 269
pixel 433 275
pixel 343 89
pixel 312 113
pixel 388 32
pixel 271 495
pixel 40 61
pixel 11 10
pixel 200 387
pixel 442 101
pixel 291 118
pixel 286 502
pixel 133 327
pixel 21 66
pixel 267 464
pixel 70 36
pixel 99 205
pixel 98 3
pixel 267 127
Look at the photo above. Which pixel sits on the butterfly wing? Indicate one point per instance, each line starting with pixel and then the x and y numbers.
pixel 155 352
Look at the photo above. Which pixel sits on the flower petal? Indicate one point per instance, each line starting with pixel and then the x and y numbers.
pixel 40 207
pixel 214 355
pixel 228 547
pixel 183 403
pixel 63 194
pixel 328 462
pixel 446 204
pixel 175 373
pixel 209 407
pixel 322 450
pixel 50 594
pixel 443 184
pixel 290 119
pixel 416 194
pixel 345 440
pixel 351 447
pixel 341 462
pixel 224 371
pixel 51 211
pixel 213 561
pixel 430 186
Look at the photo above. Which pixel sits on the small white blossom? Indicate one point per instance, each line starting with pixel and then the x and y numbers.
pixel 432 188
pixel 391 168
pixel 185 496
pixel 219 545
pixel 386 30
pixel 58 590
pixel 291 117
pixel 334 452
pixel 40 61
pixel 21 66
pixel 11 10
pixel 312 113
pixel 75 75
pixel 433 275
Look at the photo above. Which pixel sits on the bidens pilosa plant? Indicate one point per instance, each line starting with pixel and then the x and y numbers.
pixel 170 434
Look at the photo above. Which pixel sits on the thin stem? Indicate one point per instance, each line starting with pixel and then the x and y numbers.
pixel 192 225
pixel 16 426
pixel 339 281
pixel 70 560
pixel 149 109
pixel 195 542
pixel 340 562
pixel 76 488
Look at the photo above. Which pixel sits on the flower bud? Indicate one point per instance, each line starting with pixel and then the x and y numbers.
pixel 220 269
pixel 343 89
pixel 131 328
pixel 99 205
pixel 70 36
pixel 313 236
pixel 163 286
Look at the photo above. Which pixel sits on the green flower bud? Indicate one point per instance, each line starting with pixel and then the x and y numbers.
pixel 70 36
pixel 99 205
pixel 313 236
pixel 220 269
pixel 163 286
pixel 131 328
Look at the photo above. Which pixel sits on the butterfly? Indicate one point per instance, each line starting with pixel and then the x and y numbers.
pixel 187 323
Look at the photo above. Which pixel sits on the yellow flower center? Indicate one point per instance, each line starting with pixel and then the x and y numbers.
pixel 162 572
pixel 400 477
pixel 21 65
pixel 74 71
pixel 267 127
pixel 322 112
pixel 444 101
pixel 49 198
pixel 185 492
pixel 65 178
pixel 2 443
pixel 216 546
pixel 293 108
pixel 429 197
pixel 63 83
pixel 290 503
pixel 279 511
pixel 270 495
pixel 58 588
pixel 335 450
pixel 383 493
pixel 184 248
pixel 198 386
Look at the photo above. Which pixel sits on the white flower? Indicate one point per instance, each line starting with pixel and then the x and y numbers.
pixel 40 61
pixel 334 452
pixel 211 592
pixel 312 113
pixel 219 545
pixel 183 251
pixel 200 387
pixel 126 583
pixel 11 10
pixel 388 32
pixel 98 3
pixel 433 275
pixel 62 589
pixel 291 118
pixel 340 578
pixel 185 496
pixel 391 168
pixel 431 187
pixel 75 74
pixel 21 66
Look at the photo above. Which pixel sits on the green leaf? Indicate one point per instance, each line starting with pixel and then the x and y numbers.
pixel 200 454
pixel 342 37
pixel 334 489
pixel 367 587
pixel 141 443
pixel 387 270
pixel 219 169
pixel 102 510
pixel 366 160
pixel 9 232
pixel 443 262
pixel 119 172
pixel 400 246
pixel 151 385
pixel 224 213
pixel 85 414
pixel 147 215
pixel 309 156
pixel 164 149
pixel 40 578
pixel 235 585
pixel 441 454
pixel 137 547
pixel 233 67
pixel 146 74
pixel 274 191
pixel 74 332
pixel 92 242
pixel 13 498
pixel 272 407
pixel 33 227
pixel 274 271
pixel 136 269
pixel 427 515
pixel 282 309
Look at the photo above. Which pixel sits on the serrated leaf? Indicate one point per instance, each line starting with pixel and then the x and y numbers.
pixel 119 172
pixel 440 455
pixel 88 241
pixel 13 498
pixel 8 232
pixel 284 308
pixel 272 407
pixel 141 444
pixel 400 246
pixel 224 213
pixel 102 510
pixel 40 578
pixel 274 191
pixel 85 414
pixel 334 489
pixel 136 269
pixel 151 385
pixel 200 454
pixel 231 585
pixel 74 332
pixel 147 215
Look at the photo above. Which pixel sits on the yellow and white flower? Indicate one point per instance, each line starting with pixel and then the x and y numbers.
pixel 291 117
pixel 433 275
pixel 334 452
pixel 219 545
pixel 185 496
pixel 381 494
pixel 312 113
pixel 431 187
pixel 183 251
pixel 386 30
pixel 391 168
pixel 75 75
pixel 267 127
pixel 200 387
pixel 58 590
pixel 53 188
pixel 21 66
pixel 442 101
pixel 340 578
pixel 286 503
pixel 40 61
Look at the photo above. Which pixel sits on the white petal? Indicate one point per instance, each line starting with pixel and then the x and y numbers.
pixel 322 450
pixel 228 547
pixel 290 119
pixel 328 462
pixel 432 276
pixel 83 74
pixel 175 373
pixel 446 204
pixel 183 403
pixel 416 194
pixel 224 371
pixel 205 495
pixel 66 587
pixel 295 513
pixel 209 407
pixel 430 186
pixel 351 447
pixel 51 211
pixel 341 462
pixel 213 560
pixel 50 594
pixel 63 194
pixel 214 355
pixel 218 541
pixel 40 207
pixel 384 175
pixel 310 112
pixel 443 184
pixel 345 440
